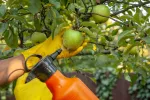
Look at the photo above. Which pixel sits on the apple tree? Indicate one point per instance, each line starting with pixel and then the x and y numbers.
pixel 117 31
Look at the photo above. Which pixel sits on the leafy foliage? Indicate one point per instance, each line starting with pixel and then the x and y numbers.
pixel 140 90
pixel 111 43
pixel 106 79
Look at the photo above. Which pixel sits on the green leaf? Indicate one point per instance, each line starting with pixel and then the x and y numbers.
pixel 114 32
pixel 148 81
pixel 16 3
pixel 89 24
pixel 64 2
pixel 2 10
pixel 14 11
pixel 148 86
pixel 124 17
pixel 148 11
pixel 53 13
pixel 52 27
pixel 138 95
pixel 11 39
pixel 37 24
pixel 133 79
pixel 20 18
pixel 138 16
pixel 112 25
pixel 10 2
pixel 124 35
pixel 34 6
pixel 105 94
pixel 146 39
pixel 56 3
pixel 87 31
pixel 148 94
pixel 127 77
pixel 59 28
pixel 1 1
pixel 105 82
pixel 134 88
pixel 130 13
pixel 71 7
pixel 147 29
pixel 3 27
pixel 45 1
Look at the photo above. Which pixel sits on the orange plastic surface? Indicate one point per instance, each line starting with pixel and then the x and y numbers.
pixel 64 88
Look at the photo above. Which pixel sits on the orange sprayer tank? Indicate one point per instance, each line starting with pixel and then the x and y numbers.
pixel 64 88
pixel 61 87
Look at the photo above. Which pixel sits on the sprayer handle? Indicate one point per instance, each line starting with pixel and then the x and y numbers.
pixel 34 55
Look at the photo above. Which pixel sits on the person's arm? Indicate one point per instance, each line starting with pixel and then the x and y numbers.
pixel 8 67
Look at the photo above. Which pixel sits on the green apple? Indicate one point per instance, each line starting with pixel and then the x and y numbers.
pixel 38 37
pixel 134 51
pixel 101 10
pixel 72 39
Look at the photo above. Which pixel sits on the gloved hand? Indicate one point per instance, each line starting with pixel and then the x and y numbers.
pixel 34 90
pixel 49 46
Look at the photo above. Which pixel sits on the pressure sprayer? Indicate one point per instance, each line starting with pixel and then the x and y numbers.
pixel 62 88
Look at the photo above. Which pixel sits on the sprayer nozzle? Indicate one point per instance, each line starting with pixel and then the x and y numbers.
pixel 59 51
pixel 55 54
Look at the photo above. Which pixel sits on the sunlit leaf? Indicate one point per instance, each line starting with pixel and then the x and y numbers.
pixel 124 35
pixel 124 17
pixel 112 25
pixel 138 16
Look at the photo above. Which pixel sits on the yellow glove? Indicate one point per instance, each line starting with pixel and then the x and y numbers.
pixel 49 46
pixel 34 90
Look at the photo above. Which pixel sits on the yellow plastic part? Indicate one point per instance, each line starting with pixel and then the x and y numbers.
pixel 34 90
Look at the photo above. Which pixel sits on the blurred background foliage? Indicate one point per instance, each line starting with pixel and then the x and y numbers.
pixel 121 44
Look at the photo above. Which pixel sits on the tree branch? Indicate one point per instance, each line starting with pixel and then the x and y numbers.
pixel 1 38
pixel 20 35
pixel 90 53
pixel 43 16
pixel 84 4
pixel 103 1
pixel 146 6
pixel 127 3
pixel 3 44
pixel 116 20
pixel 32 30
pixel 22 14
pixel 130 7
pixel 4 20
